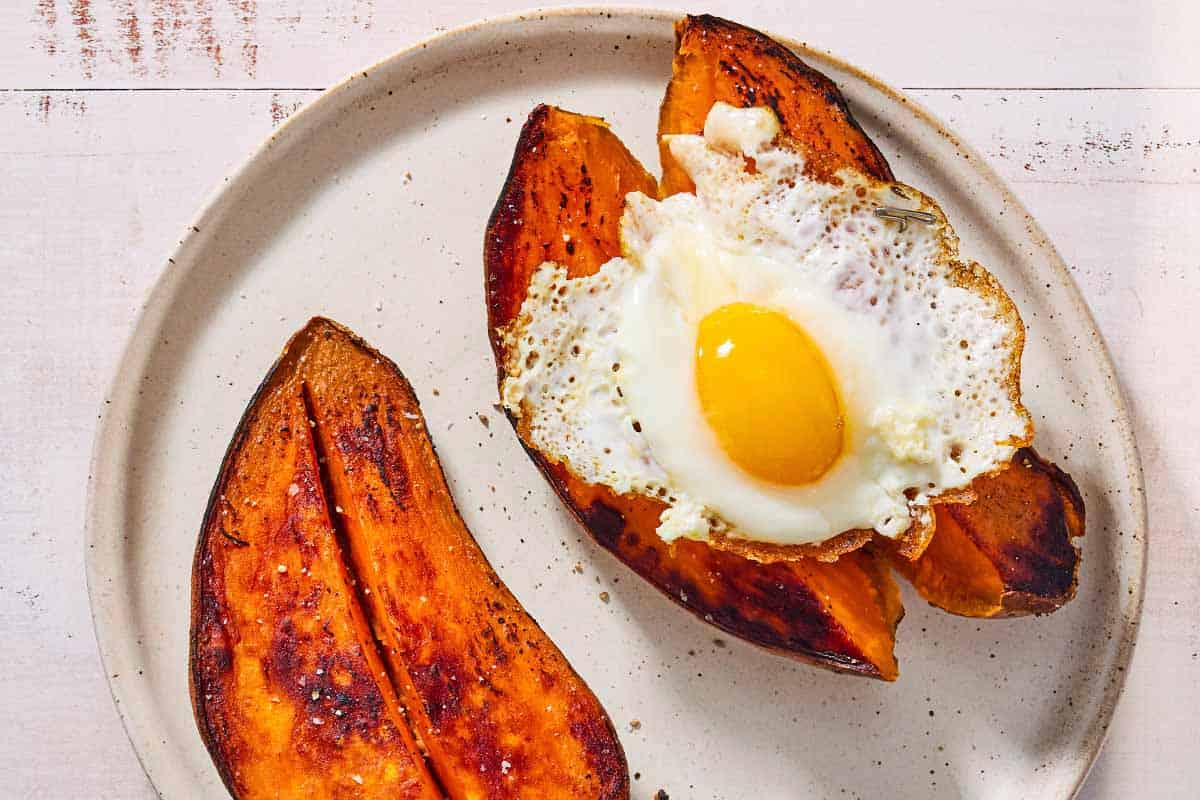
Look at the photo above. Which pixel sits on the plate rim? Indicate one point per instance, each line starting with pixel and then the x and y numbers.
pixel 107 428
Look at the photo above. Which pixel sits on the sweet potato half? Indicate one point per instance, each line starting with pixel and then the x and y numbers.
pixel 1023 519
pixel 562 202
pixel 349 638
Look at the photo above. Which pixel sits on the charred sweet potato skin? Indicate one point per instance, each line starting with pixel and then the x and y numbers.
pixel 788 607
pixel 1010 551
pixel 718 60
pixel 776 606
pixel 340 605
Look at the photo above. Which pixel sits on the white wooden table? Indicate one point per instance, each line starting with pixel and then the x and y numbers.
pixel 118 116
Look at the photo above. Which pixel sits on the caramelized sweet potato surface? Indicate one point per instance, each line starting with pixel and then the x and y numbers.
pixel 717 60
pixel 1009 552
pixel 283 663
pixel 349 637
pixel 846 620
pixel 562 202
pixel 256 662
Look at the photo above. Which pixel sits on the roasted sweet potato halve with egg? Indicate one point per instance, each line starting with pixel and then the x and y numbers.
pixel 349 638
pixel 1021 522
pixel 562 203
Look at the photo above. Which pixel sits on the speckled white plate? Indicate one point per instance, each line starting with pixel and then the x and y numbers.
pixel 369 207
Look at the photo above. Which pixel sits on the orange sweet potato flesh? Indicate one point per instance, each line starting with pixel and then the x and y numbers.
pixel 264 641
pixel 349 638
pixel 1008 553
pixel 717 60
pixel 562 202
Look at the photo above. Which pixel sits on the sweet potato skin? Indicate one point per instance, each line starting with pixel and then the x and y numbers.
pixel 1009 552
pixel 393 610
pixel 776 606
pixel 839 616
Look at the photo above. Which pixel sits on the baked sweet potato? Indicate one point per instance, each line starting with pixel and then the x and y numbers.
pixel 562 202
pixel 285 675
pixel 349 638
pixel 718 60
pixel 1009 552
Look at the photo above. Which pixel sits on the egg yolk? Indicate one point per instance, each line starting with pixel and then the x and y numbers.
pixel 768 394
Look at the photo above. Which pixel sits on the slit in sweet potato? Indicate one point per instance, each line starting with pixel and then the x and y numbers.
pixel 283 663
pixel 349 636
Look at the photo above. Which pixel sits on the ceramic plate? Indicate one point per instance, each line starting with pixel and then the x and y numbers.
pixel 369 207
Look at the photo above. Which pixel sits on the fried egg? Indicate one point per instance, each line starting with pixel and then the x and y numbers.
pixel 770 356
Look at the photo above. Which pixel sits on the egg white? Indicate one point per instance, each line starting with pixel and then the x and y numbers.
pixel 601 369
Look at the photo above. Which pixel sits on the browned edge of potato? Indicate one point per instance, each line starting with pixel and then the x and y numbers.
pixel 718 60
pixel 1009 552
pixel 349 638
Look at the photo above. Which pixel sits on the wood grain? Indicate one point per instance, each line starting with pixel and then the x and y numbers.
pixel 100 184
pixel 251 43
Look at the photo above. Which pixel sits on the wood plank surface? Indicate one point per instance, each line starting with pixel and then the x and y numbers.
pixel 304 43
pixel 98 186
